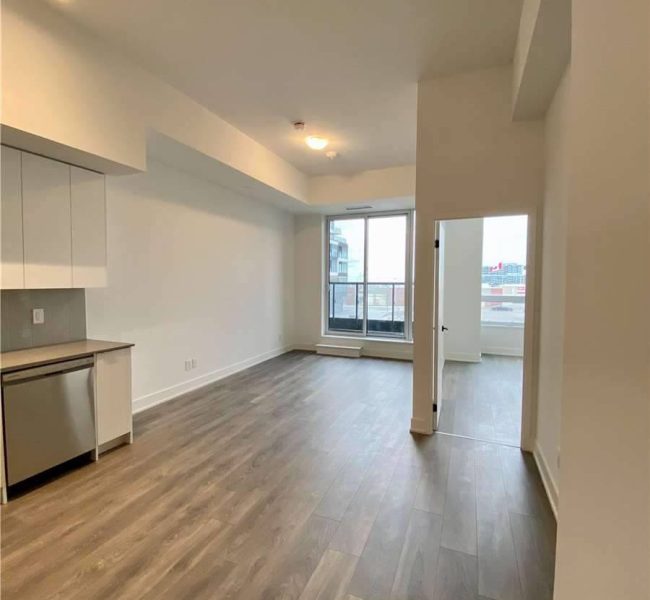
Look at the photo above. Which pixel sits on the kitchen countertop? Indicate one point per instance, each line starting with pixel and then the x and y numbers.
pixel 43 355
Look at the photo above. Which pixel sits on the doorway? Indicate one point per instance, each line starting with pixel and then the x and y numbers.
pixel 480 293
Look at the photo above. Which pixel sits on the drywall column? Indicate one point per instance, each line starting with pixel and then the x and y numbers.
pixel 472 161
pixel 604 532
pixel 462 288
pixel 551 340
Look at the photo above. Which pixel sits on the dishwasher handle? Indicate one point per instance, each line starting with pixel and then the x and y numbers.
pixel 57 368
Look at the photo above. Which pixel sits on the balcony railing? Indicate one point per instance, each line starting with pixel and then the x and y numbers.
pixel 386 303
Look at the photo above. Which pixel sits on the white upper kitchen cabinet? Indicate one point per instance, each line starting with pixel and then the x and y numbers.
pixel 12 274
pixel 88 209
pixel 47 227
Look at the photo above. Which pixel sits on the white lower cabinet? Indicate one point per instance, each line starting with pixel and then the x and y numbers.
pixel 113 396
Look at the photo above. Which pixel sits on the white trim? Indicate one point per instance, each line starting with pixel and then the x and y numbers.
pixel 408 275
pixel 547 479
pixel 399 352
pixel 469 357
pixel 334 350
pixel 369 339
pixel 396 354
pixel 531 321
pixel 304 347
pixel 419 426
pixel 166 394
pixel 503 351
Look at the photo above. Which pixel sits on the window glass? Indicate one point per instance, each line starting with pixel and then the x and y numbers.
pixel 503 277
pixel 346 245
pixel 387 249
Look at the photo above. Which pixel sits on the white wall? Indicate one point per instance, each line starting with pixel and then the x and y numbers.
pixel 462 289
pixel 502 340
pixel 551 351
pixel 541 55
pixel 367 186
pixel 309 277
pixel 472 160
pixel 195 271
pixel 604 523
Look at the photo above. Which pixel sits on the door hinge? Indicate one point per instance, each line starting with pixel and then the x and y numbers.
pixel 437 244
pixel 435 407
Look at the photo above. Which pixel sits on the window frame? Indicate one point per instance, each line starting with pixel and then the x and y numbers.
pixel 408 276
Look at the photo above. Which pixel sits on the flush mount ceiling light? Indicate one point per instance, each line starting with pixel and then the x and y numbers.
pixel 316 142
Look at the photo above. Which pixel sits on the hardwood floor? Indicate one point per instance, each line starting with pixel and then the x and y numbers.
pixel 296 479
pixel 483 400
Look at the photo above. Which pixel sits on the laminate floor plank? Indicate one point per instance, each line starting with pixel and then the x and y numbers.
pixel 483 400
pixel 415 576
pixel 459 528
pixel 375 572
pixel 534 557
pixel 497 563
pixel 360 516
pixel 331 577
pixel 456 576
pixel 295 479
pixel 433 485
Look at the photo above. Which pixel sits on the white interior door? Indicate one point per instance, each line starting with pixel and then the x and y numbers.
pixel 438 321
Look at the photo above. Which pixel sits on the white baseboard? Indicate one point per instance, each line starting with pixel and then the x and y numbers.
pixel 166 394
pixel 373 351
pixel 463 357
pixel 503 351
pixel 337 350
pixel 547 479
pixel 384 353
pixel 304 347
pixel 419 426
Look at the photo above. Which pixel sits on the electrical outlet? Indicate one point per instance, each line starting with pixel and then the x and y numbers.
pixel 194 363
pixel 38 316
pixel 188 365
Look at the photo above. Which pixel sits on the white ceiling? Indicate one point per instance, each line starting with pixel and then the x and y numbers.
pixel 347 67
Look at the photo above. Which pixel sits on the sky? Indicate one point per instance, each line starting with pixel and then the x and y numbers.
pixel 504 240
pixel 386 261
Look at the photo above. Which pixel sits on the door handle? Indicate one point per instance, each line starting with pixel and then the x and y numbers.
pixel 444 329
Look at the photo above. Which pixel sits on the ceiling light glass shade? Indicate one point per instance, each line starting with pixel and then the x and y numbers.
pixel 315 142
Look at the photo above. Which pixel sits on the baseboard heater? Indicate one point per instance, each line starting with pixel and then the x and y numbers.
pixel 334 350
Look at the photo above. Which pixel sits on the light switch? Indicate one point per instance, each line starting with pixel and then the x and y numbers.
pixel 38 316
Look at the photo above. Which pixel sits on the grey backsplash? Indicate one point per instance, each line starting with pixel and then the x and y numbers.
pixel 65 317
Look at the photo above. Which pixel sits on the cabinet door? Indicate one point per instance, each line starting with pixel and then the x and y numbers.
pixel 88 209
pixel 113 391
pixel 46 223
pixel 12 273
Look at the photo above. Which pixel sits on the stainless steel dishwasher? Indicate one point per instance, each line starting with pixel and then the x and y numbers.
pixel 49 416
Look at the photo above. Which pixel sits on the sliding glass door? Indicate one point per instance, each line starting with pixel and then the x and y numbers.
pixel 369 268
